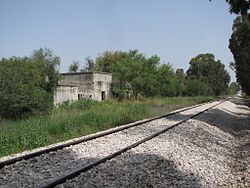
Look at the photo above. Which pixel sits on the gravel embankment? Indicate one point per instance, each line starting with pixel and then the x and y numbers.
pixel 212 150
pixel 37 171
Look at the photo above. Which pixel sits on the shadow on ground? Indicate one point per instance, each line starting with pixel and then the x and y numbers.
pixel 135 171
pixel 229 121
pixel 226 120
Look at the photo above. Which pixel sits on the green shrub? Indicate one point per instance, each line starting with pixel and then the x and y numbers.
pixel 20 91
pixel 83 104
pixel 198 88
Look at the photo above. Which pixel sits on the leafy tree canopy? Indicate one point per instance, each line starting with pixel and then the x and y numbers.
pixel 234 88
pixel 240 42
pixel 20 91
pixel 48 64
pixel 206 69
pixel 168 85
pixel 135 69
pixel 89 65
pixel 198 88
pixel 107 61
pixel 74 67
pixel 239 6
pixel 180 75
pixel 144 76
pixel 239 45
pixel 26 84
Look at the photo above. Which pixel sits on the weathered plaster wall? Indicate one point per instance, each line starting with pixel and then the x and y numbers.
pixel 65 93
pixel 102 83
pixel 89 85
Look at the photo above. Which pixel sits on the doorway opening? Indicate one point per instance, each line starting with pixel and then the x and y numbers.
pixel 103 95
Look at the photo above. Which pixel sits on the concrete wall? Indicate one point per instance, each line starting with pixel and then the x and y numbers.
pixel 76 79
pixel 102 83
pixel 65 93
pixel 89 86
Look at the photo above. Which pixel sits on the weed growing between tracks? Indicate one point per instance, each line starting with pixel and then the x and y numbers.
pixel 83 118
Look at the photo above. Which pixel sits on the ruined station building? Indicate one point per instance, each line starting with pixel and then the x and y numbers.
pixel 83 85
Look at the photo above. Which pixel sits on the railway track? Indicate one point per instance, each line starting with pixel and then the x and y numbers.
pixel 30 155
pixel 42 163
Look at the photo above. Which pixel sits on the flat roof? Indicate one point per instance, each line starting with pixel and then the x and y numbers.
pixel 67 85
pixel 77 73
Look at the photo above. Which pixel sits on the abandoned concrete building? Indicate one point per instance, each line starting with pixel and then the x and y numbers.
pixel 83 85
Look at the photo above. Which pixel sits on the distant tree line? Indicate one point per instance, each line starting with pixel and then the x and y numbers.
pixel 136 75
pixel 27 84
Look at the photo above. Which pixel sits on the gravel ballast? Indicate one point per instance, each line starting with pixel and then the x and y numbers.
pixel 211 150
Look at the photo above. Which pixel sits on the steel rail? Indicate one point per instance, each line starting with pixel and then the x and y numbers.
pixel 85 168
pixel 91 137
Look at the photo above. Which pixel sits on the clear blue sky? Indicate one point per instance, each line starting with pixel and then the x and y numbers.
pixel 175 30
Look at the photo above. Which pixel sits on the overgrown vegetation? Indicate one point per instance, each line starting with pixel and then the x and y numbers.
pixel 26 84
pixel 83 117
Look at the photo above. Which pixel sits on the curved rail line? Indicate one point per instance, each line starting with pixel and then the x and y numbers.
pixel 87 138
pixel 76 172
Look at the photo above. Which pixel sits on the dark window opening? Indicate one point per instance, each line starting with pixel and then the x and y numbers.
pixel 83 96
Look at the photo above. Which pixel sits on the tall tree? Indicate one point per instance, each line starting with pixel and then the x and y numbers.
pixel 205 68
pixel 239 6
pixel 240 41
pixel 74 67
pixel 20 91
pixel 239 45
pixel 135 74
pixel 137 71
pixel 107 61
pixel 89 65
pixel 48 64
pixel 167 84
pixel 232 66
pixel 180 75
pixel 234 88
